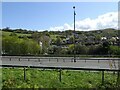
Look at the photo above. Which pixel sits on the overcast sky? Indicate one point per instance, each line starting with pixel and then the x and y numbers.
pixel 59 16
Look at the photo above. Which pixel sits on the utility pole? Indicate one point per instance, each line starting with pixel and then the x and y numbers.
pixel 74 35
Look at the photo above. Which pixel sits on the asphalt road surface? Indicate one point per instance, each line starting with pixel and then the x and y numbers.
pixel 97 63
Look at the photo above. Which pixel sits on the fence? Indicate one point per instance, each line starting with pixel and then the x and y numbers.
pixel 63 59
pixel 111 61
pixel 66 68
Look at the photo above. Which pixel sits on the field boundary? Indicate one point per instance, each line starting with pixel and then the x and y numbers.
pixel 65 68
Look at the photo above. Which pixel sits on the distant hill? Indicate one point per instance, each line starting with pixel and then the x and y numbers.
pixel 109 32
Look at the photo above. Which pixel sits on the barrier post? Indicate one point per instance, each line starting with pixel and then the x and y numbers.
pixel 39 59
pixel 60 79
pixel 49 59
pixel 102 77
pixel 24 74
pixel 19 59
pixel 98 61
pixel 63 60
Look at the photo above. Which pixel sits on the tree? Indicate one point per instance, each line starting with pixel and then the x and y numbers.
pixel 54 50
pixel 71 39
pixel 63 51
pixel 45 43
pixel 58 41
pixel 114 50
pixel 80 49
pixel 36 36
pixel 12 45
pixel 36 49
pixel 7 29
pixel 7 45
pixel 71 49
pixel 105 46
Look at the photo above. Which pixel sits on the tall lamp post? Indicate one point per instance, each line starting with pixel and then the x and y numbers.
pixel 74 34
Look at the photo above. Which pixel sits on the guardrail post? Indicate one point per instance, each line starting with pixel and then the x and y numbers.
pixel 49 59
pixel 39 59
pixel 19 59
pixel 98 61
pixel 24 74
pixel 118 77
pixel 102 77
pixel 113 72
pixel 60 75
pixel 118 74
pixel 63 60
pixel 28 59
pixel 71 60
pixel 10 59
pixel 57 59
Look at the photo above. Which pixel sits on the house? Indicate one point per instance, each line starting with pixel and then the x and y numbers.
pixel 40 43
pixel 103 38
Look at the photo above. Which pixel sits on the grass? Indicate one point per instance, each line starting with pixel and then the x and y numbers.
pixel 18 34
pixel 38 78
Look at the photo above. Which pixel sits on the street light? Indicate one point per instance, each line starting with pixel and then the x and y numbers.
pixel 74 34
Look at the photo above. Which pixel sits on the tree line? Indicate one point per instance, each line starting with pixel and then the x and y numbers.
pixel 54 43
pixel 11 45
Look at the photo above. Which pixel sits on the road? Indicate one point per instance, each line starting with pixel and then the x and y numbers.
pixel 99 63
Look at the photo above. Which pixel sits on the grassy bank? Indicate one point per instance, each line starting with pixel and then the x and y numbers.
pixel 37 78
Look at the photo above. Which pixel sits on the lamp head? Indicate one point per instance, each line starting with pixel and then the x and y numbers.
pixel 73 7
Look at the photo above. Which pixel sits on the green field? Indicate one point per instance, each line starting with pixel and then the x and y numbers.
pixel 18 34
pixel 39 78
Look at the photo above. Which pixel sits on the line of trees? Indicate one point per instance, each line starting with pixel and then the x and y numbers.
pixel 11 45
pixel 52 44
pixel 101 49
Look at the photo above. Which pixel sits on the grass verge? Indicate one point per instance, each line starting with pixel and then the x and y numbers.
pixel 40 78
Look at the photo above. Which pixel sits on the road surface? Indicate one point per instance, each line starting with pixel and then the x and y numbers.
pixel 97 63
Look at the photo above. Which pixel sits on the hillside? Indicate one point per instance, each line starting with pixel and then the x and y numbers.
pixel 62 42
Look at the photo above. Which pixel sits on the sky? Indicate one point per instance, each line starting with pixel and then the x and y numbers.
pixel 58 16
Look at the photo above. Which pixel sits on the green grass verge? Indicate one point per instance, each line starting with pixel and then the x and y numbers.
pixel 38 78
